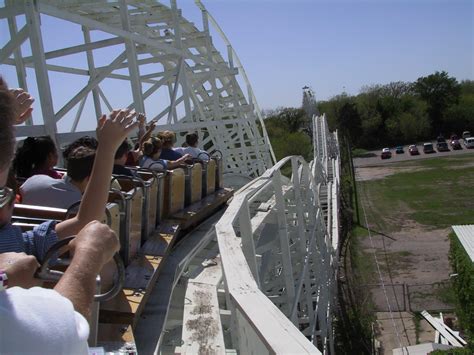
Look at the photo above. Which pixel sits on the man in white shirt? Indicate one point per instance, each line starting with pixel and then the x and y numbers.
pixel 192 148
pixel 38 320
pixel 41 321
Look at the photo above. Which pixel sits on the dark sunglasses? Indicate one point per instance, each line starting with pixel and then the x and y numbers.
pixel 6 196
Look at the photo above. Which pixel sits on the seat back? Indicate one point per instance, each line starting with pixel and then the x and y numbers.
pixel 211 177
pixel 174 192
pixel 193 183
pixel 219 172
pixel 196 183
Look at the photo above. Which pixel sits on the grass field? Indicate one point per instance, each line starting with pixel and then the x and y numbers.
pixel 437 193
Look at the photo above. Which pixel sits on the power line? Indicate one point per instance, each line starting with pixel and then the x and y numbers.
pixel 381 278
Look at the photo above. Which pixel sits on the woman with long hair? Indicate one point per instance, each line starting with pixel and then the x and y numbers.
pixel 37 155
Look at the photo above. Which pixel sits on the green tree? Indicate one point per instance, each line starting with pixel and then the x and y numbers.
pixel 288 118
pixel 439 91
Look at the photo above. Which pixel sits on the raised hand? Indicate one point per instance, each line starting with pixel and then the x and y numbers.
pixel 112 130
pixel 23 105
pixel 141 118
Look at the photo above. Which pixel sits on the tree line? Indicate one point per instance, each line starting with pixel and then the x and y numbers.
pixel 381 115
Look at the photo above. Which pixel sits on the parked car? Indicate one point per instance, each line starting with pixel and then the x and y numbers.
pixel 442 147
pixel 413 150
pixel 469 142
pixel 399 150
pixel 386 153
pixel 466 134
pixel 455 144
pixel 428 148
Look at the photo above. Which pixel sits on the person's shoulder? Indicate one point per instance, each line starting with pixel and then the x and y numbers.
pixel 32 315
pixel 39 178
pixel 32 292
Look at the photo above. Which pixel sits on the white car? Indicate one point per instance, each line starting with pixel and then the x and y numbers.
pixel 469 142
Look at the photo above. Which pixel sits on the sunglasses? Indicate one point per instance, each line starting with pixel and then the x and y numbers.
pixel 6 196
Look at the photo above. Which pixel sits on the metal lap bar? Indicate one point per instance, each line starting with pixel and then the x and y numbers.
pixel 155 211
pixel 150 185
pixel 132 190
pixel 147 221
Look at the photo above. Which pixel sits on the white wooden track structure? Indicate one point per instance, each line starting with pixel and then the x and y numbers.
pixel 155 50
pixel 270 285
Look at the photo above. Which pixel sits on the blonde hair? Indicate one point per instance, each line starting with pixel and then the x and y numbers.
pixel 168 138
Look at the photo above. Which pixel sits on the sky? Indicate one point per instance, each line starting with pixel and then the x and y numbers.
pixel 336 46
pixel 332 46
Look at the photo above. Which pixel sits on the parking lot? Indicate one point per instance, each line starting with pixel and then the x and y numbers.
pixel 376 160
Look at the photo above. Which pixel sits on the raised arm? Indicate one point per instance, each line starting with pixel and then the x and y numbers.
pixel 93 247
pixel 111 132
pixel 23 101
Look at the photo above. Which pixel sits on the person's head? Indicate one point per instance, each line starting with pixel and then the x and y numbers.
pixel 192 139
pixel 7 146
pixel 168 139
pixel 152 148
pixel 35 153
pixel 122 153
pixel 79 166
pixel 86 141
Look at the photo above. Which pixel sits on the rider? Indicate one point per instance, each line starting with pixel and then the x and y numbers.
pixel 38 320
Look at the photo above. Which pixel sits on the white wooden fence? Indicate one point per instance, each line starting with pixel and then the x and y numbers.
pixel 278 245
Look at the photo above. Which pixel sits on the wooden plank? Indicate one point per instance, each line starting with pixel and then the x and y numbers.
pixel 441 329
pixel 198 211
pixel 202 329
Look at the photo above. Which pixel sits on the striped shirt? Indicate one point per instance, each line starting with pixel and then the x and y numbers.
pixel 35 242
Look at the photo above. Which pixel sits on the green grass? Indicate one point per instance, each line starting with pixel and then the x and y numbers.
pixel 417 317
pixel 439 195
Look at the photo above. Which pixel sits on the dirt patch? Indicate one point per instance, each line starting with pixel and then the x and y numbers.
pixel 463 166
pixel 380 172
pixel 411 257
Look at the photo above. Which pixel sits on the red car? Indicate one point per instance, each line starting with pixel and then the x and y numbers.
pixel 386 153
pixel 413 150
